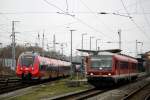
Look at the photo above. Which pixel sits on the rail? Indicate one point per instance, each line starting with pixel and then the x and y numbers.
pixel 80 95
pixel 147 97
pixel 134 92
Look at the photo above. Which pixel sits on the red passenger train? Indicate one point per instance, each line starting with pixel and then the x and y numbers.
pixel 33 66
pixel 107 68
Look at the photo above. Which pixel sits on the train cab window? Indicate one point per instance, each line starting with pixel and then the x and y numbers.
pixel 101 61
pixel 27 60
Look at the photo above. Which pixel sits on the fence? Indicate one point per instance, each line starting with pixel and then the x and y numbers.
pixel 6 62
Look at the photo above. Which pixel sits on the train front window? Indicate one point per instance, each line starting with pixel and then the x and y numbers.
pixel 27 60
pixel 101 62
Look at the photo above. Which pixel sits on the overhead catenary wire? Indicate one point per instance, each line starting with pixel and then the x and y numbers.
pixel 145 17
pixel 76 12
pixel 96 16
pixel 132 4
pixel 73 16
pixel 145 34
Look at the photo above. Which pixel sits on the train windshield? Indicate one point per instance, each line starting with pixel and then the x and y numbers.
pixel 101 62
pixel 27 60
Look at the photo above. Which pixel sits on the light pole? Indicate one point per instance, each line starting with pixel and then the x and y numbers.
pixel 83 69
pixel 119 33
pixel 136 47
pixel 71 72
pixel 82 40
pixel 90 41
pixel 96 43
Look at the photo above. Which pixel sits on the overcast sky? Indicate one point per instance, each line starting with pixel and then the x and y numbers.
pixel 59 16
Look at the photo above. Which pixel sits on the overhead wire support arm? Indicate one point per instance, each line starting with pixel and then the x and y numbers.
pixel 79 20
pixel 115 14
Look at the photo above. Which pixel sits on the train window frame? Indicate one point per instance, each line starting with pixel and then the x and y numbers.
pixel 24 57
pixel 102 58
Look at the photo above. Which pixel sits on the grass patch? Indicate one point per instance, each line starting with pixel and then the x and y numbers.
pixel 48 90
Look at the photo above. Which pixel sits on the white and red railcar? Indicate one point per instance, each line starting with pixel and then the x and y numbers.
pixel 109 68
pixel 33 66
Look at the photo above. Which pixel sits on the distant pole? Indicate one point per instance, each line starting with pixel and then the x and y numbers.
pixel 136 48
pixel 71 55
pixel 82 52
pixel 38 40
pixel 90 41
pixel 119 33
pixel 62 45
pixel 82 40
pixel 13 45
pixel 96 44
pixel 141 47
pixel 43 45
pixel 54 42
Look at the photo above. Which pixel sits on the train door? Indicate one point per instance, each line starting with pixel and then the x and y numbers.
pixel 129 70
pixel 117 64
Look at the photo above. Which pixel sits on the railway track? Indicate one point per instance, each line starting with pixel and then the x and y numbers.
pixel 133 93
pixel 8 85
pixel 80 95
pixel 147 97
pixel 11 84
pixel 92 92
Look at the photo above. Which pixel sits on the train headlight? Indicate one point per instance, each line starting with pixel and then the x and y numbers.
pixel 26 68
pixel 32 68
pixel 100 68
pixel 109 74
pixel 91 73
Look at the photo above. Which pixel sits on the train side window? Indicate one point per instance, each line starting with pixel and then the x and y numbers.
pixel 124 65
pixel 43 67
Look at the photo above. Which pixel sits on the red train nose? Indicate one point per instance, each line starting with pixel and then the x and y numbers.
pixel 26 69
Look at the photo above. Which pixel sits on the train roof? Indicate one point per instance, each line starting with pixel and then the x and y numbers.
pixel 104 53
pixel 29 53
pixel 97 52
pixel 111 52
